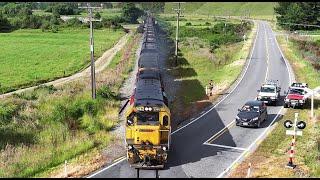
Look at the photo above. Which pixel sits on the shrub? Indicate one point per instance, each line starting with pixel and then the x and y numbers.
pixel 188 24
pixel 74 22
pixel 105 92
pixel 207 24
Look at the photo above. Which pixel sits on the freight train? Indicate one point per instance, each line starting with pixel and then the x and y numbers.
pixel 148 126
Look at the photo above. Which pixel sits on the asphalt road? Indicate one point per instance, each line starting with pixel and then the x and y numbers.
pixel 209 145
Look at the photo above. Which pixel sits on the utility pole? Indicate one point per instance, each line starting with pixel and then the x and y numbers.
pixel 93 76
pixel 177 33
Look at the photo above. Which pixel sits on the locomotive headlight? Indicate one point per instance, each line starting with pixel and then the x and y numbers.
pixel 164 148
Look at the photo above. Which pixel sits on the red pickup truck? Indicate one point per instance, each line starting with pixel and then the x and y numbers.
pixel 295 97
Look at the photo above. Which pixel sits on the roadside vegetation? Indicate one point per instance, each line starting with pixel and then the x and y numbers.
pixel 41 129
pixel 215 52
pixel 272 155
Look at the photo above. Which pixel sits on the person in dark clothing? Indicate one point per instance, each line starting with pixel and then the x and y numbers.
pixel 210 87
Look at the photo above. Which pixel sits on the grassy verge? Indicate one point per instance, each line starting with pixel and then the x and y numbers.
pixel 197 65
pixel 43 128
pixel 271 156
pixel 32 57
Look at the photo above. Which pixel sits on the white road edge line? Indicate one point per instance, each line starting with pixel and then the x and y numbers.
pixel 290 81
pixel 224 146
pixel 251 145
pixel 120 160
pixel 257 31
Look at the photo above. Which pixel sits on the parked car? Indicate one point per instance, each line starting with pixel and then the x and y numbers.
pixel 252 114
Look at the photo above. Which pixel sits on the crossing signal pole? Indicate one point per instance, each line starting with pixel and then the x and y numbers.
pixel 93 76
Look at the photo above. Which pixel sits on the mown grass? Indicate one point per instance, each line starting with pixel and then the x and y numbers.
pixel 59 124
pixel 272 155
pixel 30 56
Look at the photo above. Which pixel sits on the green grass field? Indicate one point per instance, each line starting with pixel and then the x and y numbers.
pixel 31 56
pixel 256 9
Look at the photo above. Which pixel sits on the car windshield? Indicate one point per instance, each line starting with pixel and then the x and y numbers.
pixel 249 108
pixel 147 118
pixel 296 91
pixel 268 89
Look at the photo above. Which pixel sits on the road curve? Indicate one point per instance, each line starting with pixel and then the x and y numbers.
pixel 211 144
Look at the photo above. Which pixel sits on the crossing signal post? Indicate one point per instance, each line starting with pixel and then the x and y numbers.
pixel 300 125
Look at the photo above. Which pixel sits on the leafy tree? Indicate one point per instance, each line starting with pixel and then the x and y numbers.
pixel 97 15
pixel 5 25
pixel 131 13
pixel 63 9
pixel 290 13
pixel 154 7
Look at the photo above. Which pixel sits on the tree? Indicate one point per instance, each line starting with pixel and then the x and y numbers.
pixel 97 15
pixel 154 7
pixel 131 13
pixel 298 13
pixel 5 25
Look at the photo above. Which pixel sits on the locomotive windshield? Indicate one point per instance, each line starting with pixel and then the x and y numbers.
pixel 147 118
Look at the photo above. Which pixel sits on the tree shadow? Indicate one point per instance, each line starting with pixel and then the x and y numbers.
pixel 187 145
pixel 15 137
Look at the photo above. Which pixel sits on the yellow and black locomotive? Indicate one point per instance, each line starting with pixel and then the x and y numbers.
pixel 148 126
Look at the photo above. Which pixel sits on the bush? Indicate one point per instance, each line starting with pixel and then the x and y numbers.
pixel 188 24
pixel 97 15
pixel 5 25
pixel 207 24
pixel 106 93
pixel 7 111
pixel 74 22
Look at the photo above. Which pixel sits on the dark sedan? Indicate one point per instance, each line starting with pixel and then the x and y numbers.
pixel 252 114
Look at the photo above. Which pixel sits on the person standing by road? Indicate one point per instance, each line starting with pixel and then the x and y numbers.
pixel 210 87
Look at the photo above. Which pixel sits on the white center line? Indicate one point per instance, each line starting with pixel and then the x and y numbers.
pixel 224 146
